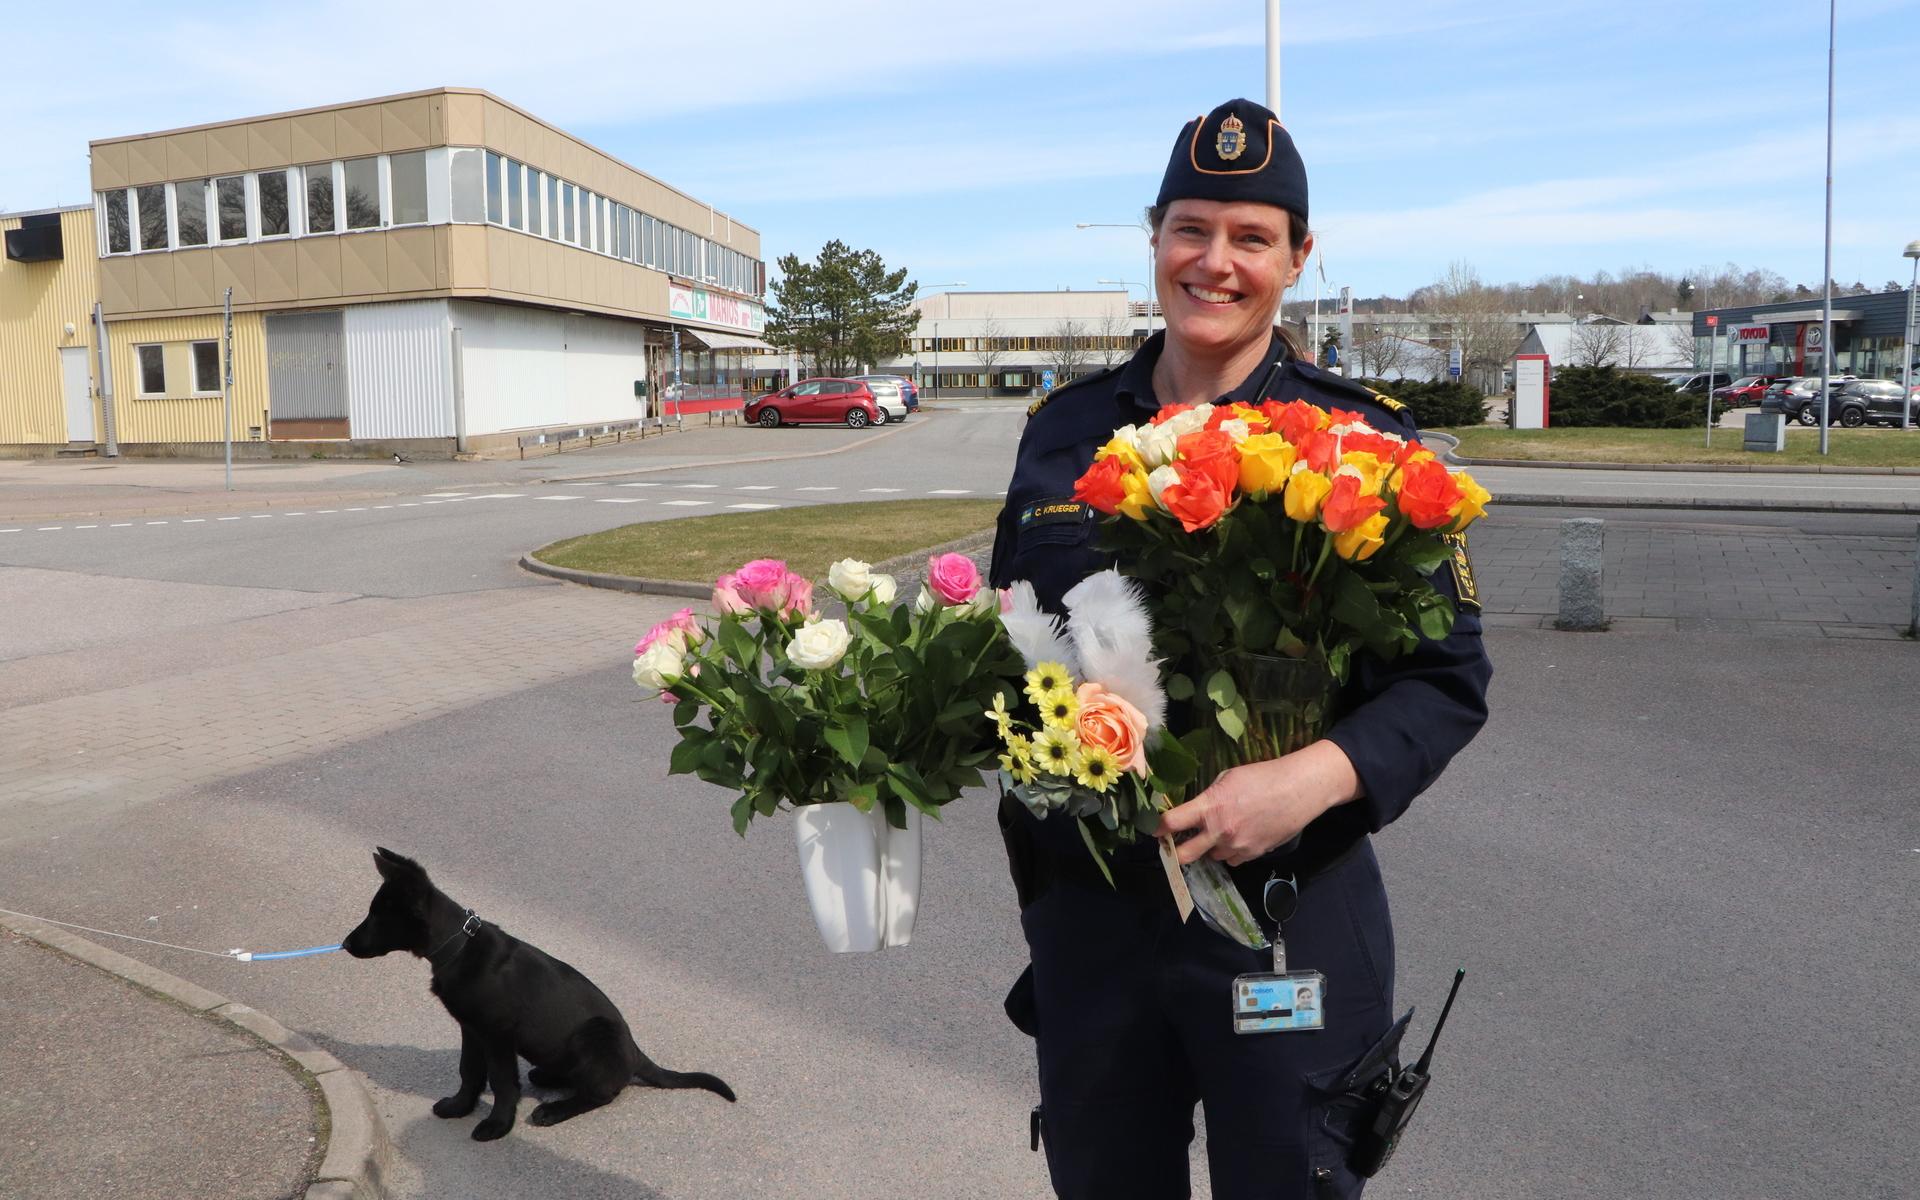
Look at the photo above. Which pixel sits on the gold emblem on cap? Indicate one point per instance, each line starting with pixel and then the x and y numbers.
pixel 1231 142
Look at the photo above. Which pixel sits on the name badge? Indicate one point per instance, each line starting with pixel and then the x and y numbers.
pixel 1280 1001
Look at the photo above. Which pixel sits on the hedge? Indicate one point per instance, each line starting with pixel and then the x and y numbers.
pixel 1606 396
pixel 1437 403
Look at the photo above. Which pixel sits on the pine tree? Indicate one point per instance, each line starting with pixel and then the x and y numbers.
pixel 842 309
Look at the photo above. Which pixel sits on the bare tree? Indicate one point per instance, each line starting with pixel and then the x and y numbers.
pixel 992 340
pixel 1681 341
pixel 1480 320
pixel 1067 350
pixel 1378 352
pixel 1112 338
pixel 1597 344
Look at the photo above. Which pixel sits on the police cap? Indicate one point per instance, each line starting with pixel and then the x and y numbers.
pixel 1239 151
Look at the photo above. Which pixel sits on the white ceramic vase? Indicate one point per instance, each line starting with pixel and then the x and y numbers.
pixel 862 875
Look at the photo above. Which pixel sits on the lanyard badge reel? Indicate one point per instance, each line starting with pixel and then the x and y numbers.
pixel 1280 1001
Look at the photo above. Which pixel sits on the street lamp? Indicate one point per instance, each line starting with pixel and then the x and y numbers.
pixel 1906 410
pixel 936 336
pixel 1138 225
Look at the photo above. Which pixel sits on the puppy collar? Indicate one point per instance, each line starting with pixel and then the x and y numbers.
pixel 469 926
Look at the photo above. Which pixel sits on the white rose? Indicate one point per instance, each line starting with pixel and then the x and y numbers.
pixel 885 588
pixel 819 645
pixel 1129 436
pixel 660 665
pixel 924 602
pixel 1157 445
pixel 851 578
pixel 1191 421
pixel 1158 480
pixel 1236 429
pixel 985 603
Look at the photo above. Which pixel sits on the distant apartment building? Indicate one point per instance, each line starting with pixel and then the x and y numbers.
pixel 427 272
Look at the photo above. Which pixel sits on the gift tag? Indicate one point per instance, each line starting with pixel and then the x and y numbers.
pixel 1176 879
pixel 1279 1001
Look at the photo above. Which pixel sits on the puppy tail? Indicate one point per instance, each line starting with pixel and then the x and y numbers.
pixel 652 1074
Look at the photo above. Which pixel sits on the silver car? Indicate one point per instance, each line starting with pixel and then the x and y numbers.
pixel 888 399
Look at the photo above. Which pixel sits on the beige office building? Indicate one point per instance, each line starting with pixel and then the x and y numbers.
pixel 422 272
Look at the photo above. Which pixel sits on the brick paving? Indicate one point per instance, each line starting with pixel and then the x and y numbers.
pixel 110 747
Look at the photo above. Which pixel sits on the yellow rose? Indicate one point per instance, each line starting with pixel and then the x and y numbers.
pixel 1139 497
pixel 1359 543
pixel 1123 450
pixel 1306 489
pixel 1266 459
pixel 1473 502
pixel 1369 467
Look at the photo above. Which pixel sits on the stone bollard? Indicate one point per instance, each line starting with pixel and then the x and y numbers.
pixel 1580 569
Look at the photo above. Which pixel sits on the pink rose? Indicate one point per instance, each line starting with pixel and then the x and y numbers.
pixel 762 583
pixel 727 600
pixel 953 578
pixel 681 627
pixel 799 600
pixel 1006 600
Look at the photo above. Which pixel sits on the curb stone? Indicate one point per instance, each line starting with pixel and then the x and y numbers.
pixel 359 1154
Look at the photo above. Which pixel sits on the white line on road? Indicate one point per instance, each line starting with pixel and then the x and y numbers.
pixel 226 518
pixel 688 503
pixel 129 524
pixel 409 504
pixel 879 489
pixel 755 487
pixel 356 510
pixel 951 492
pixel 818 488
pixel 699 485
pixel 378 507
pixel 559 497
pixel 621 500
pixel 502 496
pixel 252 517
pixel 321 512
pixel 636 485
pixel 163 522
pixel 294 514
pixel 753 506
pixel 187 521
pixel 55 528
pixel 444 495
pixel 9 531
pixel 586 483
pixel 86 527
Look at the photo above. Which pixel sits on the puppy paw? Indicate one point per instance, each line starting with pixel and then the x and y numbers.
pixel 544 1114
pixel 454 1106
pixel 489 1129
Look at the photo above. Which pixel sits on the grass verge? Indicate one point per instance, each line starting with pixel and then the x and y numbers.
pixel 809 539
pixel 1850 447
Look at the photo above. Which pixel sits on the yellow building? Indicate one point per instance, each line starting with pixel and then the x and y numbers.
pixel 425 272
pixel 48 363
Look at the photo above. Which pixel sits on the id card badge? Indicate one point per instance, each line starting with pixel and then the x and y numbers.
pixel 1280 1001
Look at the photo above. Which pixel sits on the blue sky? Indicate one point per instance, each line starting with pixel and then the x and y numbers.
pixel 965 141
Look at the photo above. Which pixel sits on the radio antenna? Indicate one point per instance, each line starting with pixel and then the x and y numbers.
pixel 1427 1058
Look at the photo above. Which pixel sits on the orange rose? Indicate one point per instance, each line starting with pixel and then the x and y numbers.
pixel 1429 497
pixel 1294 419
pixel 1195 498
pixel 1101 485
pixel 1212 452
pixel 1109 723
pixel 1348 504
pixel 1319 450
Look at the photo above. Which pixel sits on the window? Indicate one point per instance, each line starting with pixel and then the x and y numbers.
pixel 408 175
pixel 231 194
pixel 152 361
pixel 362 179
pixel 319 178
pixel 469 186
pixel 206 367
pixel 591 210
pixel 496 206
pixel 647 227
pixel 623 241
pixel 516 198
pixel 274 217
pixel 553 207
pixel 119 227
pixel 190 216
pixel 566 207
pixel 536 189
pixel 151 200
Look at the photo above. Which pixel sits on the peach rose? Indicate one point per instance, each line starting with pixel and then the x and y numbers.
pixel 1109 723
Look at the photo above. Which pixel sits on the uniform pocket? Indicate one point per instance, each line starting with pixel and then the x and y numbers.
pixel 1339 1108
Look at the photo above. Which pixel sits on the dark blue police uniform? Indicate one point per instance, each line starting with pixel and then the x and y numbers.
pixel 1130 1008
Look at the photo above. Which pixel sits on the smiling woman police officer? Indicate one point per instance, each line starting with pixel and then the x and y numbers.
pixel 1130 1008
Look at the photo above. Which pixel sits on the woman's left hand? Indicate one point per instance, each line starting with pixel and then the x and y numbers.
pixel 1252 809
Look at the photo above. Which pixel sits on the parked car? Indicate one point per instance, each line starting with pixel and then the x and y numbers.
pixel 1801 400
pixel 1774 399
pixel 817 402
pixel 887 396
pixel 1698 382
pixel 1745 391
pixel 1868 402
pixel 907 389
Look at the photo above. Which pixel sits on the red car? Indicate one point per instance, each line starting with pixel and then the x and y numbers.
pixel 1744 392
pixel 817 402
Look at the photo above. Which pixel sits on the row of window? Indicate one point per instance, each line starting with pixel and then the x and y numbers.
pixel 978 379
pixel 457 184
pixel 948 345
pixel 520 197
pixel 151 361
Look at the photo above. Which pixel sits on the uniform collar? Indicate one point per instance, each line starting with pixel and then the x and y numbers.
pixel 1136 378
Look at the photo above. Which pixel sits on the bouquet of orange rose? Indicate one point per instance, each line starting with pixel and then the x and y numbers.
pixel 1276 541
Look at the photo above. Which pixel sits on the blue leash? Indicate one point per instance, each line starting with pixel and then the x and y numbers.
pixel 236 955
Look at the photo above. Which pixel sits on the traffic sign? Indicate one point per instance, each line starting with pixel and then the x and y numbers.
pixel 1046 381
pixel 1453 362
pixel 1712 321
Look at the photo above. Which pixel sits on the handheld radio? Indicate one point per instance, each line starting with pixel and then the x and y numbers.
pixel 1395 1096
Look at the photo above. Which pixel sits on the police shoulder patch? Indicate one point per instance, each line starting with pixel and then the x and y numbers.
pixel 1462 567
pixel 1386 401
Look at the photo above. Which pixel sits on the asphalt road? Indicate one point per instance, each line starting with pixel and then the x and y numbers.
pixel 1680 871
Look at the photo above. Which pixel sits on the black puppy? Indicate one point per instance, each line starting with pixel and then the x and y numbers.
pixel 512 1001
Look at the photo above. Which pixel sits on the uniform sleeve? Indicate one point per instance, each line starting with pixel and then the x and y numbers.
pixel 1004 532
pixel 1416 712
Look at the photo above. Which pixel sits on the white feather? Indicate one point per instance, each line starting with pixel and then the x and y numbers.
pixel 1034 631
pixel 1113 638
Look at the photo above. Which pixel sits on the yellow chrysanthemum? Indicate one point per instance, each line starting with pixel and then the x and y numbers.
pixel 1046 678
pixel 1098 769
pixel 1002 720
pixel 1017 767
pixel 1060 708
pixel 1056 751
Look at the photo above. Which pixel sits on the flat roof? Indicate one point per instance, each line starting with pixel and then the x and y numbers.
pixel 437 91
pixel 8 214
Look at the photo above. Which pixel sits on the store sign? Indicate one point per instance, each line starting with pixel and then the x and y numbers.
pixel 1816 341
pixel 694 304
pixel 1761 334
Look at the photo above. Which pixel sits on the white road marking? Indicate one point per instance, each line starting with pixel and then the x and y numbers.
pixel 188 521
pixel 818 489
pixel 444 495
pixel 699 485
pixel 559 497
pixel 252 517
pixel 293 514
pixel 688 503
pixel 55 528
pixel 502 496
pixel 755 487
pixel 621 500
pixel 753 506
pixel 409 504
pixel 378 507
pixel 9 531
pixel 587 483
pixel 163 522
pixel 226 518
pixel 879 489
pixel 636 485
pixel 356 510
pixel 86 527
pixel 129 524
pixel 951 492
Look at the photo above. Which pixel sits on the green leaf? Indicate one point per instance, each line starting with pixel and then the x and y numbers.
pixel 863 796
pixel 849 738
pixel 742 814
pixel 1423 552
pixel 1179 687
pixel 1354 604
pixel 1099 859
pixel 1436 618
pixel 1233 720
pixel 1172 764
pixel 1221 691
pixel 686 756
pixel 1262 568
